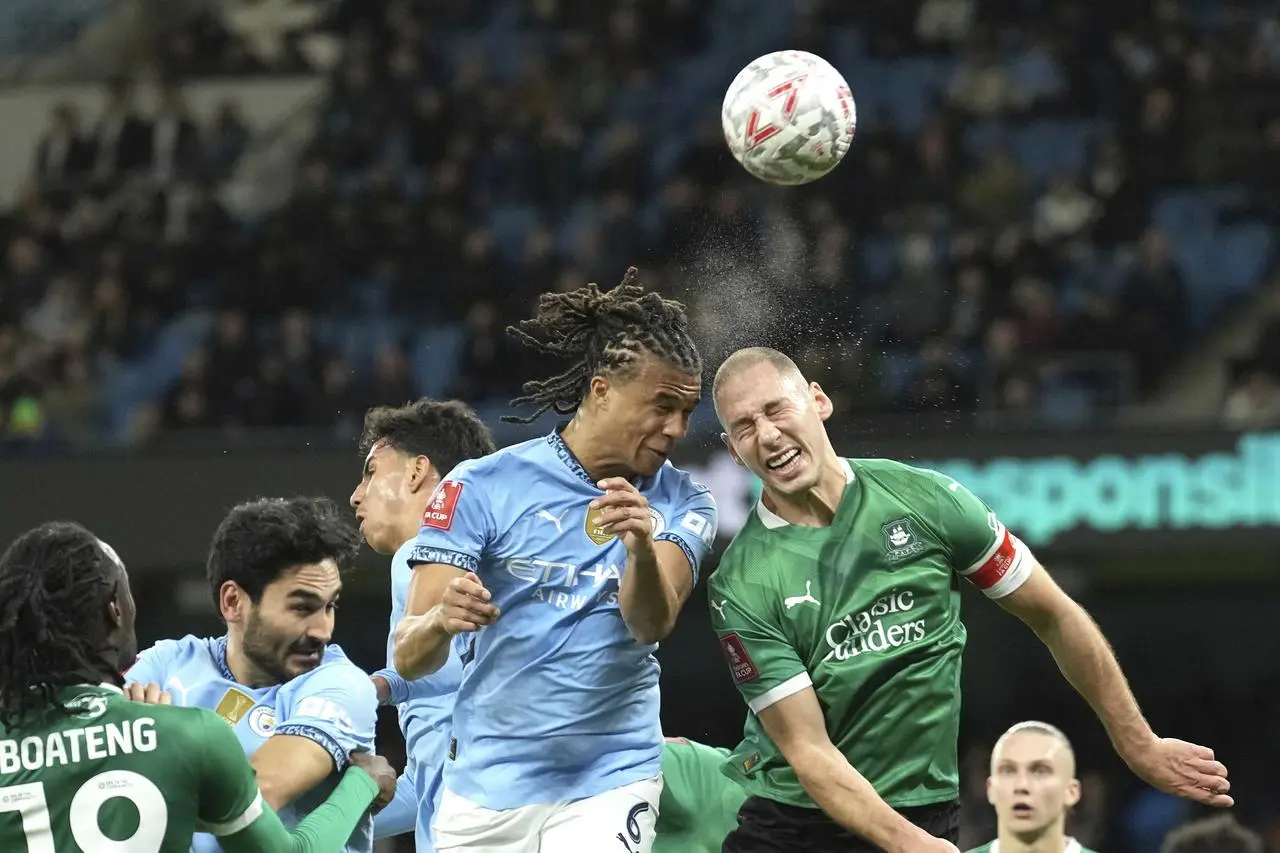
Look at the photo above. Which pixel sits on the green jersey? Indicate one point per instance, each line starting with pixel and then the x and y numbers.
pixel 1072 846
pixel 866 611
pixel 114 776
pixel 699 806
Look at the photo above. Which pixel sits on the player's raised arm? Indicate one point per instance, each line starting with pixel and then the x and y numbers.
pixel 999 564
pixel 232 808
pixel 663 568
pixel 446 596
pixel 332 713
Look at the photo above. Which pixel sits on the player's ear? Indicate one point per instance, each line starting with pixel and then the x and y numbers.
pixel 733 454
pixel 821 401
pixel 232 601
pixel 1073 793
pixel 419 473
pixel 115 614
pixel 598 390
pixel 991 793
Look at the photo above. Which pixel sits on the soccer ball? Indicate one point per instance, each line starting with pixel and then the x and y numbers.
pixel 788 117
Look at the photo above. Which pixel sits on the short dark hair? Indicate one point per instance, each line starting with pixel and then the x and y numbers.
pixel 55 582
pixel 1218 834
pixel 445 431
pixel 260 540
pixel 603 332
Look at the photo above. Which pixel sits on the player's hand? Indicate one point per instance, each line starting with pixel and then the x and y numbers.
pixel 625 512
pixel 465 605
pixel 148 694
pixel 382 688
pixel 382 772
pixel 1185 769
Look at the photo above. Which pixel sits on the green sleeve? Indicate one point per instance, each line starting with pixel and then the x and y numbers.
pixel 983 551
pixel 229 795
pixel 232 808
pixel 325 830
pixel 764 663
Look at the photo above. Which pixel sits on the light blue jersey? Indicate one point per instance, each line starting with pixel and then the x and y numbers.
pixel 426 707
pixel 557 701
pixel 334 705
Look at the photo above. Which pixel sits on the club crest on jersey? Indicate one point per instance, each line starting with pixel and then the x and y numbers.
pixel 233 705
pixel 595 532
pixel 900 540
pixel 262 721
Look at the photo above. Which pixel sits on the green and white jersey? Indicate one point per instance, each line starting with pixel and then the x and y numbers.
pixel 867 612
pixel 114 776
pixel 1072 846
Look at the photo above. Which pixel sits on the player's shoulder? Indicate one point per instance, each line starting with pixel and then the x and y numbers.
pixel 335 672
pixel 747 553
pixel 900 478
pixel 535 450
pixel 677 480
pixel 178 650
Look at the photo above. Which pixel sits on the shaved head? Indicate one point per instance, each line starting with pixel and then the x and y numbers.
pixel 745 359
pixel 1045 730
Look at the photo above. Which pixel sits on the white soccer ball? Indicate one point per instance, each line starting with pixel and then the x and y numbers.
pixel 789 117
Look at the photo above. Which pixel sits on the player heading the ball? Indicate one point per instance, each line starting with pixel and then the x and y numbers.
pixel 838 609
pixel 559 563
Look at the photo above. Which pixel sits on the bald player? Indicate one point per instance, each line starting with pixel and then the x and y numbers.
pixel 1032 786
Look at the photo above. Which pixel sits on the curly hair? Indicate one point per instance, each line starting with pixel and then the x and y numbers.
pixel 602 332
pixel 446 432
pixel 262 539
pixel 55 582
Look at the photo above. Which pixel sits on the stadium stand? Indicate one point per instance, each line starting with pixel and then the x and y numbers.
pixel 1034 223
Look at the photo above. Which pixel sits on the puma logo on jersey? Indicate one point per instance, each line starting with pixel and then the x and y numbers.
pixel 718 606
pixel 554 519
pixel 796 600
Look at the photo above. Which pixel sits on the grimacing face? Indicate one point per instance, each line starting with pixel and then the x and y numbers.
pixel 386 496
pixel 646 413
pixel 1032 782
pixel 773 425
pixel 286 632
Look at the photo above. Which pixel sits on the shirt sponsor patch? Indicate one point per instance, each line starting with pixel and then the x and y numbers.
pixel 740 663
pixel 439 512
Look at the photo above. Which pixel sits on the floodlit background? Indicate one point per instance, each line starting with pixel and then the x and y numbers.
pixel 1047 266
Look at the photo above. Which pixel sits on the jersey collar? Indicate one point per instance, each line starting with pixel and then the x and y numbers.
pixel 566 456
pixel 1072 846
pixel 219 652
pixel 106 685
pixel 772 521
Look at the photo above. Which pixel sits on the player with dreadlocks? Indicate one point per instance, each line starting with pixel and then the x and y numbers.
pixel 82 769
pixel 558 564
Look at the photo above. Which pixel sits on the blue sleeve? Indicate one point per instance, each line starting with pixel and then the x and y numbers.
pixel 337 707
pixel 401 814
pixel 398 686
pixel 693 526
pixel 458 523
pixel 153 665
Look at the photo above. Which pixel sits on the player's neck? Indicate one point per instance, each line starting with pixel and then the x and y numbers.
pixel 245 672
pixel 1052 840
pixel 815 507
pixel 598 461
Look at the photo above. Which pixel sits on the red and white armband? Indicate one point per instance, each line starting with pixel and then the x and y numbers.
pixel 1004 567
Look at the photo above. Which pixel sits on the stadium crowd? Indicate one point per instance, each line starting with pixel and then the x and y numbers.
pixel 425 152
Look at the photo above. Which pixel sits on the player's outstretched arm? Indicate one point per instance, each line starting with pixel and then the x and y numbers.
pixel 1089 664
pixel 442 601
pixel 231 807
pixel 796 725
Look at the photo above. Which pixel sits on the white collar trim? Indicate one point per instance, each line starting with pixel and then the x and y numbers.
pixel 1072 846
pixel 104 686
pixel 772 521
